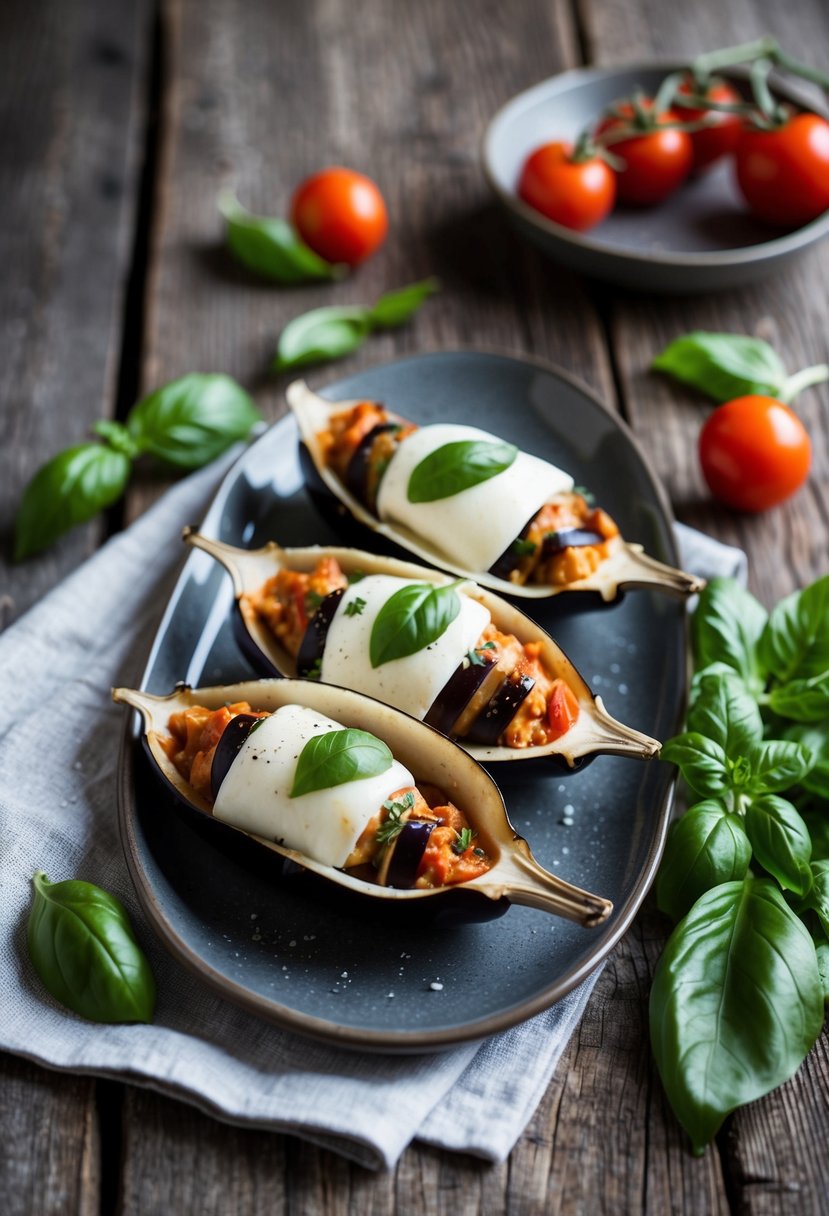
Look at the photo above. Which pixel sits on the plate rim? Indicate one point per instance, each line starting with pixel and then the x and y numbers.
pixel 396 1042
pixel 788 242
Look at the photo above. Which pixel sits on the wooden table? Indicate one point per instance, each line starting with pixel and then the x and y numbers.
pixel 120 124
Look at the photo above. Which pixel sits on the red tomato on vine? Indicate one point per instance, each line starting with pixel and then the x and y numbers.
pixel 575 191
pixel 783 173
pixel 721 136
pixel 657 160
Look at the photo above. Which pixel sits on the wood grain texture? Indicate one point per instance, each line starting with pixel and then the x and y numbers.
pixel 69 123
pixel 49 1162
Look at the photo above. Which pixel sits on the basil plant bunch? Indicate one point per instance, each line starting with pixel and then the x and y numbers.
pixel 738 994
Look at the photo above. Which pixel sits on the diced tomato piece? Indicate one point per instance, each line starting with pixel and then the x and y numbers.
pixel 562 709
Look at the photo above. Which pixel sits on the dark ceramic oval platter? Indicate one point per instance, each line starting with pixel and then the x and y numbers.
pixel 702 238
pixel 314 963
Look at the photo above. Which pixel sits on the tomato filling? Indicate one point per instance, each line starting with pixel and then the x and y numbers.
pixel 534 560
pixel 452 854
pixel 287 602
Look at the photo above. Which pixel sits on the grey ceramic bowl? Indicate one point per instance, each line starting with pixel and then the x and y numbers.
pixel 276 944
pixel 702 238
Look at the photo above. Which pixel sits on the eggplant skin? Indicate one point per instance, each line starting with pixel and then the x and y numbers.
pixel 455 695
pixel 227 749
pixel 408 850
pixel 313 641
pixel 497 715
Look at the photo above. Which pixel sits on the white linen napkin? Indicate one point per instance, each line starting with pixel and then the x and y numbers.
pixel 59 741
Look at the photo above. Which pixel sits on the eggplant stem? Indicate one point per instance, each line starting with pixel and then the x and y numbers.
pixel 528 883
pixel 614 738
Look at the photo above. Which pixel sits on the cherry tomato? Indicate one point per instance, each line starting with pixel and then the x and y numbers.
pixel 754 453
pixel 721 137
pixel 562 710
pixel 656 162
pixel 784 173
pixel 340 214
pixel 575 193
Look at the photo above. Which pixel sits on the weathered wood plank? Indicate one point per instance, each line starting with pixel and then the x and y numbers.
pixel 50 1161
pixel 73 75
pixel 769 1151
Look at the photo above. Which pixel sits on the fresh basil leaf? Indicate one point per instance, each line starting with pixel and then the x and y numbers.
pixel 816 818
pixel 330 333
pixel 802 700
pixel 68 490
pixel 723 365
pixel 795 642
pixel 117 436
pixel 781 842
pixel 321 334
pixel 458 466
pixel 191 421
pixel 726 712
pixel 411 619
pixel 83 948
pixel 706 847
pixel 337 757
pixel 815 738
pixel 736 1003
pixel 726 628
pixel 271 247
pixel 822 952
pixel 817 898
pixel 775 765
pixel 396 307
pixel 702 762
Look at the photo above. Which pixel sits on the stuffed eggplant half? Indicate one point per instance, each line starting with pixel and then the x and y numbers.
pixel 463 499
pixel 366 798
pixel 444 651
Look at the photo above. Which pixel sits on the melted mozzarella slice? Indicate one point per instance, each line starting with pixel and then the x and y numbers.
pixel 410 683
pixel 324 824
pixel 475 526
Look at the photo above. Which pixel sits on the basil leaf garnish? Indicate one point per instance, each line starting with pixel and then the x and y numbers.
pixel 815 738
pixel 802 700
pixel 702 762
pixel 706 847
pixel 795 642
pixel 724 365
pixel 190 421
pixel 68 490
pixel 339 756
pixel 83 948
pixel 330 333
pixel 717 1043
pixel 724 711
pixel 271 247
pixel 411 619
pixel 458 466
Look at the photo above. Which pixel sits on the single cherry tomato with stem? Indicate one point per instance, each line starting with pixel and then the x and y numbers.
pixel 571 186
pixel 657 153
pixel 783 170
pixel 722 133
pixel 340 214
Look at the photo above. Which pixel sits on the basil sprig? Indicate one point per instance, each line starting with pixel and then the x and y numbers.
pixel 746 869
pixel 411 619
pixel 337 757
pixel 271 247
pixel 724 366
pixel 330 333
pixel 186 423
pixel 458 466
pixel 83 948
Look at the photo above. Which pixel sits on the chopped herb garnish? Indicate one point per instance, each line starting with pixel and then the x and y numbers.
pixel 464 841
pixel 355 576
pixel 314 672
pixel 474 656
pixel 393 825
pixel 355 606
pixel 524 547
pixel 588 497
pixel 313 599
